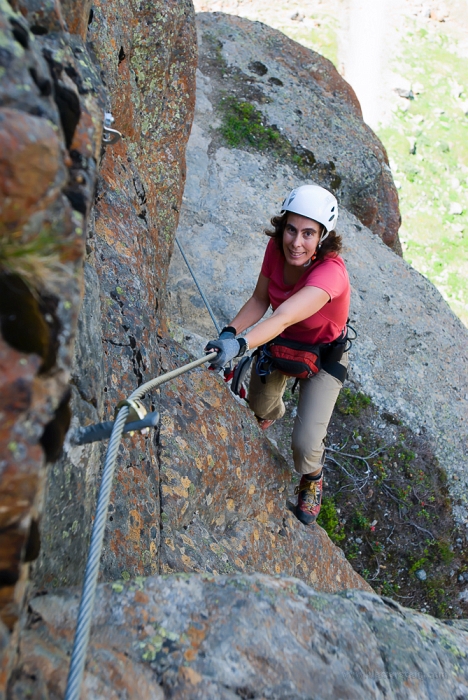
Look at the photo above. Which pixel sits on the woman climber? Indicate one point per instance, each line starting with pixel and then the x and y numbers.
pixel 305 281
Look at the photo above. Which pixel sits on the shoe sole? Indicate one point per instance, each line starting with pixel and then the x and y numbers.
pixel 299 514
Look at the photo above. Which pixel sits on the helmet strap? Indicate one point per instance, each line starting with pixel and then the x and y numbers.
pixel 322 238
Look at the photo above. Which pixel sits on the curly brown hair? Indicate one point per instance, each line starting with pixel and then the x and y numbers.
pixel 331 246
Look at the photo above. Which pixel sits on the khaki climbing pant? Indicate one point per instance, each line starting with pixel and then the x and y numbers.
pixel 317 398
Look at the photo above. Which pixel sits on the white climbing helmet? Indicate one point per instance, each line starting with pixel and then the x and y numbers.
pixel 315 203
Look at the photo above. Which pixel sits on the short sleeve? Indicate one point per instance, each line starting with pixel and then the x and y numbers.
pixel 331 276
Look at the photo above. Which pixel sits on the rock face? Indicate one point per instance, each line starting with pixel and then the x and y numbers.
pixel 223 499
pixel 51 123
pixel 206 638
pixel 147 60
pixel 204 502
pixel 302 96
pixel 189 498
pixel 51 110
pixel 147 56
pixel 206 492
pixel 411 354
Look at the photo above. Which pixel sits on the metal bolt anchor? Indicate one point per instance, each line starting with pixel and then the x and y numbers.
pixel 110 136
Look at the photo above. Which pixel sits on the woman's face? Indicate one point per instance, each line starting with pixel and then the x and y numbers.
pixel 300 239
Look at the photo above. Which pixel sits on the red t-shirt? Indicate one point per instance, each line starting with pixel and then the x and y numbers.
pixel 330 275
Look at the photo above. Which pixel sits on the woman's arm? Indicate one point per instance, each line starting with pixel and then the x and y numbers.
pixel 255 308
pixel 306 302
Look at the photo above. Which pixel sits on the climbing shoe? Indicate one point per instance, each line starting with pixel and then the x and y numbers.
pixel 309 498
pixel 264 423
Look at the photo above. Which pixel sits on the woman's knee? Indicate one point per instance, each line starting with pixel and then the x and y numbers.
pixel 265 399
pixel 307 441
pixel 307 459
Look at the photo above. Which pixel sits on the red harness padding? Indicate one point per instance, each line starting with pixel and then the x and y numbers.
pixel 293 358
pixel 301 360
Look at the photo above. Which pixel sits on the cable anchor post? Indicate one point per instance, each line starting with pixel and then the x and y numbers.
pixel 136 412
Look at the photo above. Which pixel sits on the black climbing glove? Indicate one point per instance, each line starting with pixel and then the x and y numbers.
pixel 227 350
pixel 227 333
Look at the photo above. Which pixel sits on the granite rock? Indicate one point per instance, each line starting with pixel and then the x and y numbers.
pixel 223 491
pixel 301 95
pixel 411 353
pixel 147 56
pixel 50 141
pixel 206 492
pixel 203 637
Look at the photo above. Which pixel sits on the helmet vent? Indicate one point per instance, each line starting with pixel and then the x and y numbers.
pixel 331 217
pixel 332 209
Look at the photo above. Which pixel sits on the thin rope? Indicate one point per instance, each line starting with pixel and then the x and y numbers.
pixel 83 627
pixel 218 330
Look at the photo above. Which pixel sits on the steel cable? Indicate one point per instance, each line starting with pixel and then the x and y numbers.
pixel 153 383
pixel 83 627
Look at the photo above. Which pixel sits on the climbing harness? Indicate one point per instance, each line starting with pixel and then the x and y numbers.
pixel 303 361
pixel 293 358
pixel 130 408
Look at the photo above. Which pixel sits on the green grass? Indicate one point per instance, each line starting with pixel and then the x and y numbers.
pixel 36 260
pixel 417 565
pixel 389 589
pixel 443 551
pixel 359 521
pixel 328 519
pixel 351 403
pixel 435 176
pixel 243 126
